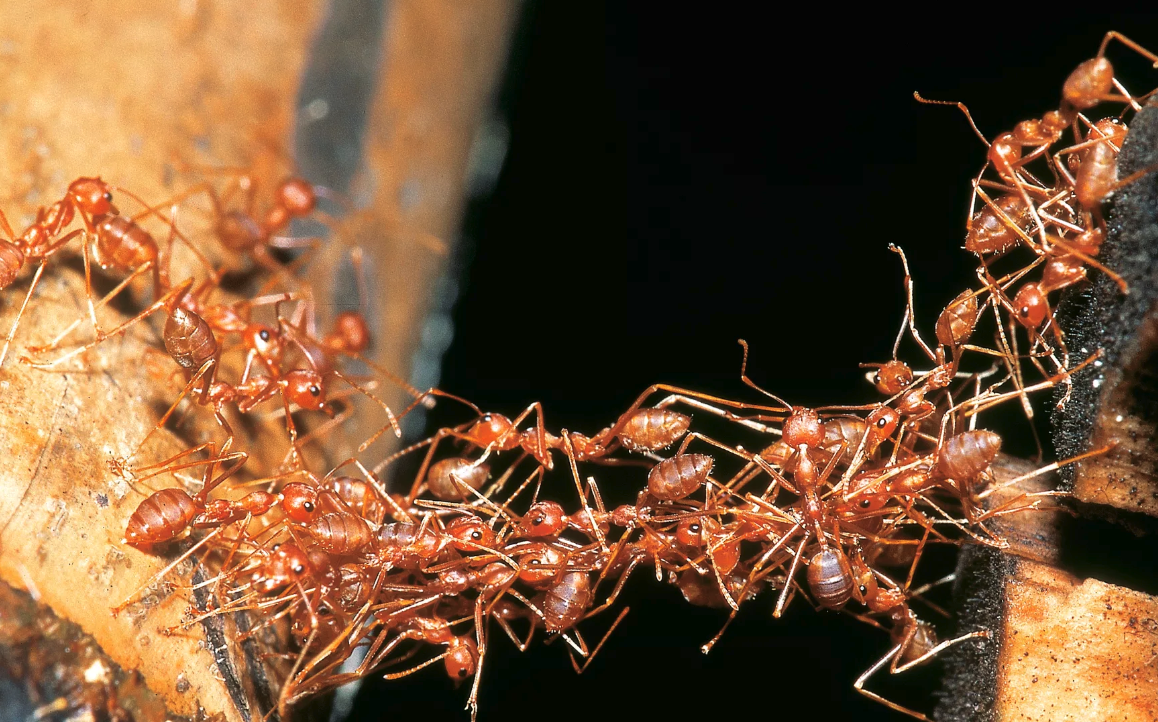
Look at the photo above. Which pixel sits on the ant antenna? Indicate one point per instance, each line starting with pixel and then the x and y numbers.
pixel 744 377
pixel 964 109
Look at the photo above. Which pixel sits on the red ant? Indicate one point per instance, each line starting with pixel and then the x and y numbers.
pixel 87 198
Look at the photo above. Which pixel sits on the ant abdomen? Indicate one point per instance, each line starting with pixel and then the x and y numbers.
pixel 340 533
pixel 11 261
pixel 402 544
pixel 360 497
pixel 967 454
pixel 188 339
pixel 653 429
pixel 830 578
pixel 238 232
pixel 989 233
pixel 1097 174
pixel 123 245
pixel 160 517
pixel 1089 83
pixel 847 429
pixel 445 479
pixel 922 642
pixel 679 476
pixel 956 323
pixel 565 603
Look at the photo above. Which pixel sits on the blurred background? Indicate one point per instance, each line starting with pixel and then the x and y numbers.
pixel 673 181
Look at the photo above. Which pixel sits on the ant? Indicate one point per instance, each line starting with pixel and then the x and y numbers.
pixel 86 198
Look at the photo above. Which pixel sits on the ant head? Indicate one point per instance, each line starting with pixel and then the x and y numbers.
pixel 1111 127
pixel 296 196
pixel 305 388
pixel 893 377
pixel 539 563
pixel 468 533
pixel 495 575
pixel 287 564
pixel 461 659
pixel 863 504
pixel 353 331
pixel 299 501
pixel 1030 306
pixel 92 195
pixel 1004 154
pixel 803 428
pixel 694 531
pixel 881 424
pixel 543 519
pixel 864 587
pixel 264 340
pixel 490 428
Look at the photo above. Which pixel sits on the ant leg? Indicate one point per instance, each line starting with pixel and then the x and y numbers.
pixel 55 342
pixel 749 382
pixel 20 313
pixel 420 400
pixel 206 368
pixel 779 610
pixel 162 302
pixel 858 685
pixel 910 311
pixel 1115 35
pixel 569 450
pixel 982 634
pixel 161 574
pixel 580 670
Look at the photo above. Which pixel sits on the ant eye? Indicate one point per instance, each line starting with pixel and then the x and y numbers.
pixel 865 503
pixel 882 423
pixel 315 390
pixel 694 528
pixel 462 673
pixel 538 520
pixel 108 197
pixel 264 335
pixel 534 562
pixel 298 569
pixel 476 535
pixel 308 506
pixel 863 590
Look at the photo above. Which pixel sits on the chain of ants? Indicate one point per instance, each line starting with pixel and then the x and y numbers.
pixel 833 505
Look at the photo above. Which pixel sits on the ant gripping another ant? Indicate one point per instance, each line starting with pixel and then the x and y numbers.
pixel 836 499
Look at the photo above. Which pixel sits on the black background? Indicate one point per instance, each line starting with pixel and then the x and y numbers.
pixel 679 179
